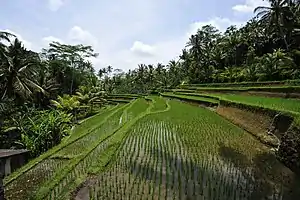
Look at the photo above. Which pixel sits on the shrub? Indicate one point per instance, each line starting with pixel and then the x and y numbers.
pixel 41 130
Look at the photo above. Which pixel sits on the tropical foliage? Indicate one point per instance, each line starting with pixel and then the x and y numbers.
pixel 42 94
pixel 265 49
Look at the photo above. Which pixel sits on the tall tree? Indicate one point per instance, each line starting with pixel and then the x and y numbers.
pixel 75 55
pixel 18 71
pixel 276 15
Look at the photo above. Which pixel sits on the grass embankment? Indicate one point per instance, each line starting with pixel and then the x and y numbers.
pixel 119 100
pixel 246 84
pixel 283 90
pixel 123 96
pixel 105 145
pixel 193 98
pixel 253 113
pixel 126 95
pixel 278 104
pixel 159 104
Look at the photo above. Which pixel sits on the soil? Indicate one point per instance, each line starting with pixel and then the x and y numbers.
pixel 83 194
pixel 256 123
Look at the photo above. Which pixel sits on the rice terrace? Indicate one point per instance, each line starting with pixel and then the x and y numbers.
pixel 156 148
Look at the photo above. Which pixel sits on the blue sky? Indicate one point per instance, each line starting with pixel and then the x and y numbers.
pixel 123 32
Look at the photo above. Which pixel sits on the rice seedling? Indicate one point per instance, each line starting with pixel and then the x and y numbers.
pixel 178 155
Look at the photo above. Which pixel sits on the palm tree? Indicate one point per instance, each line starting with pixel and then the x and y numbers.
pixel 18 71
pixel 275 66
pixel 109 69
pixel 4 36
pixel 275 15
pixel 101 72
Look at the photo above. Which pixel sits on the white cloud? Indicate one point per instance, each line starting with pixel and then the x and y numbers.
pixel 141 49
pixel 77 34
pixel 249 6
pixel 159 51
pixel 220 23
pixel 54 5
pixel 49 39
pixel 128 57
pixel 25 42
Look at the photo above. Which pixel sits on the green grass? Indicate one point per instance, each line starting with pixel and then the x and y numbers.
pixel 280 104
pixel 119 100
pixel 140 105
pixel 276 89
pixel 159 103
pixel 125 95
pixel 245 84
pixel 187 96
pixel 91 122
pixel 98 134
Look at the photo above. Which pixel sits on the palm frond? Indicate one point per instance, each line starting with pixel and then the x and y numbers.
pixel 6 35
pixel 35 86
pixel 21 88
pixel 261 8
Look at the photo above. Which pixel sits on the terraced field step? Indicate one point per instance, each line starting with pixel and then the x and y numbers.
pixel 154 148
pixel 119 100
pixel 295 82
pixel 194 98
pixel 278 104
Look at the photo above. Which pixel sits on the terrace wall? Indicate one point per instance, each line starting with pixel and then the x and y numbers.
pixel 261 122
pixel 289 150
pixel 256 123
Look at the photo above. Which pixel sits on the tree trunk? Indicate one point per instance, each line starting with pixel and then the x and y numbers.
pixel 72 80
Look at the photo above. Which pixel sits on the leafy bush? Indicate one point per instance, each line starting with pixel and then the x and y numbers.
pixel 81 105
pixel 67 103
pixel 40 130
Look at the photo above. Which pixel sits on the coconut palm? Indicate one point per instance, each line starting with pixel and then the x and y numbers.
pixel 4 36
pixel 276 15
pixel 274 66
pixel 17 72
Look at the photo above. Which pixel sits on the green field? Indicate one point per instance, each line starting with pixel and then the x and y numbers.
pixel 246 84
pixel 159 149
pixel 290 105
pixel 282 89
pixel 192 97
pixel 159 104
pixel 280 104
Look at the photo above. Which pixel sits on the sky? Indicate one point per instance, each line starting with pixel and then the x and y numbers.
pixel 125 33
